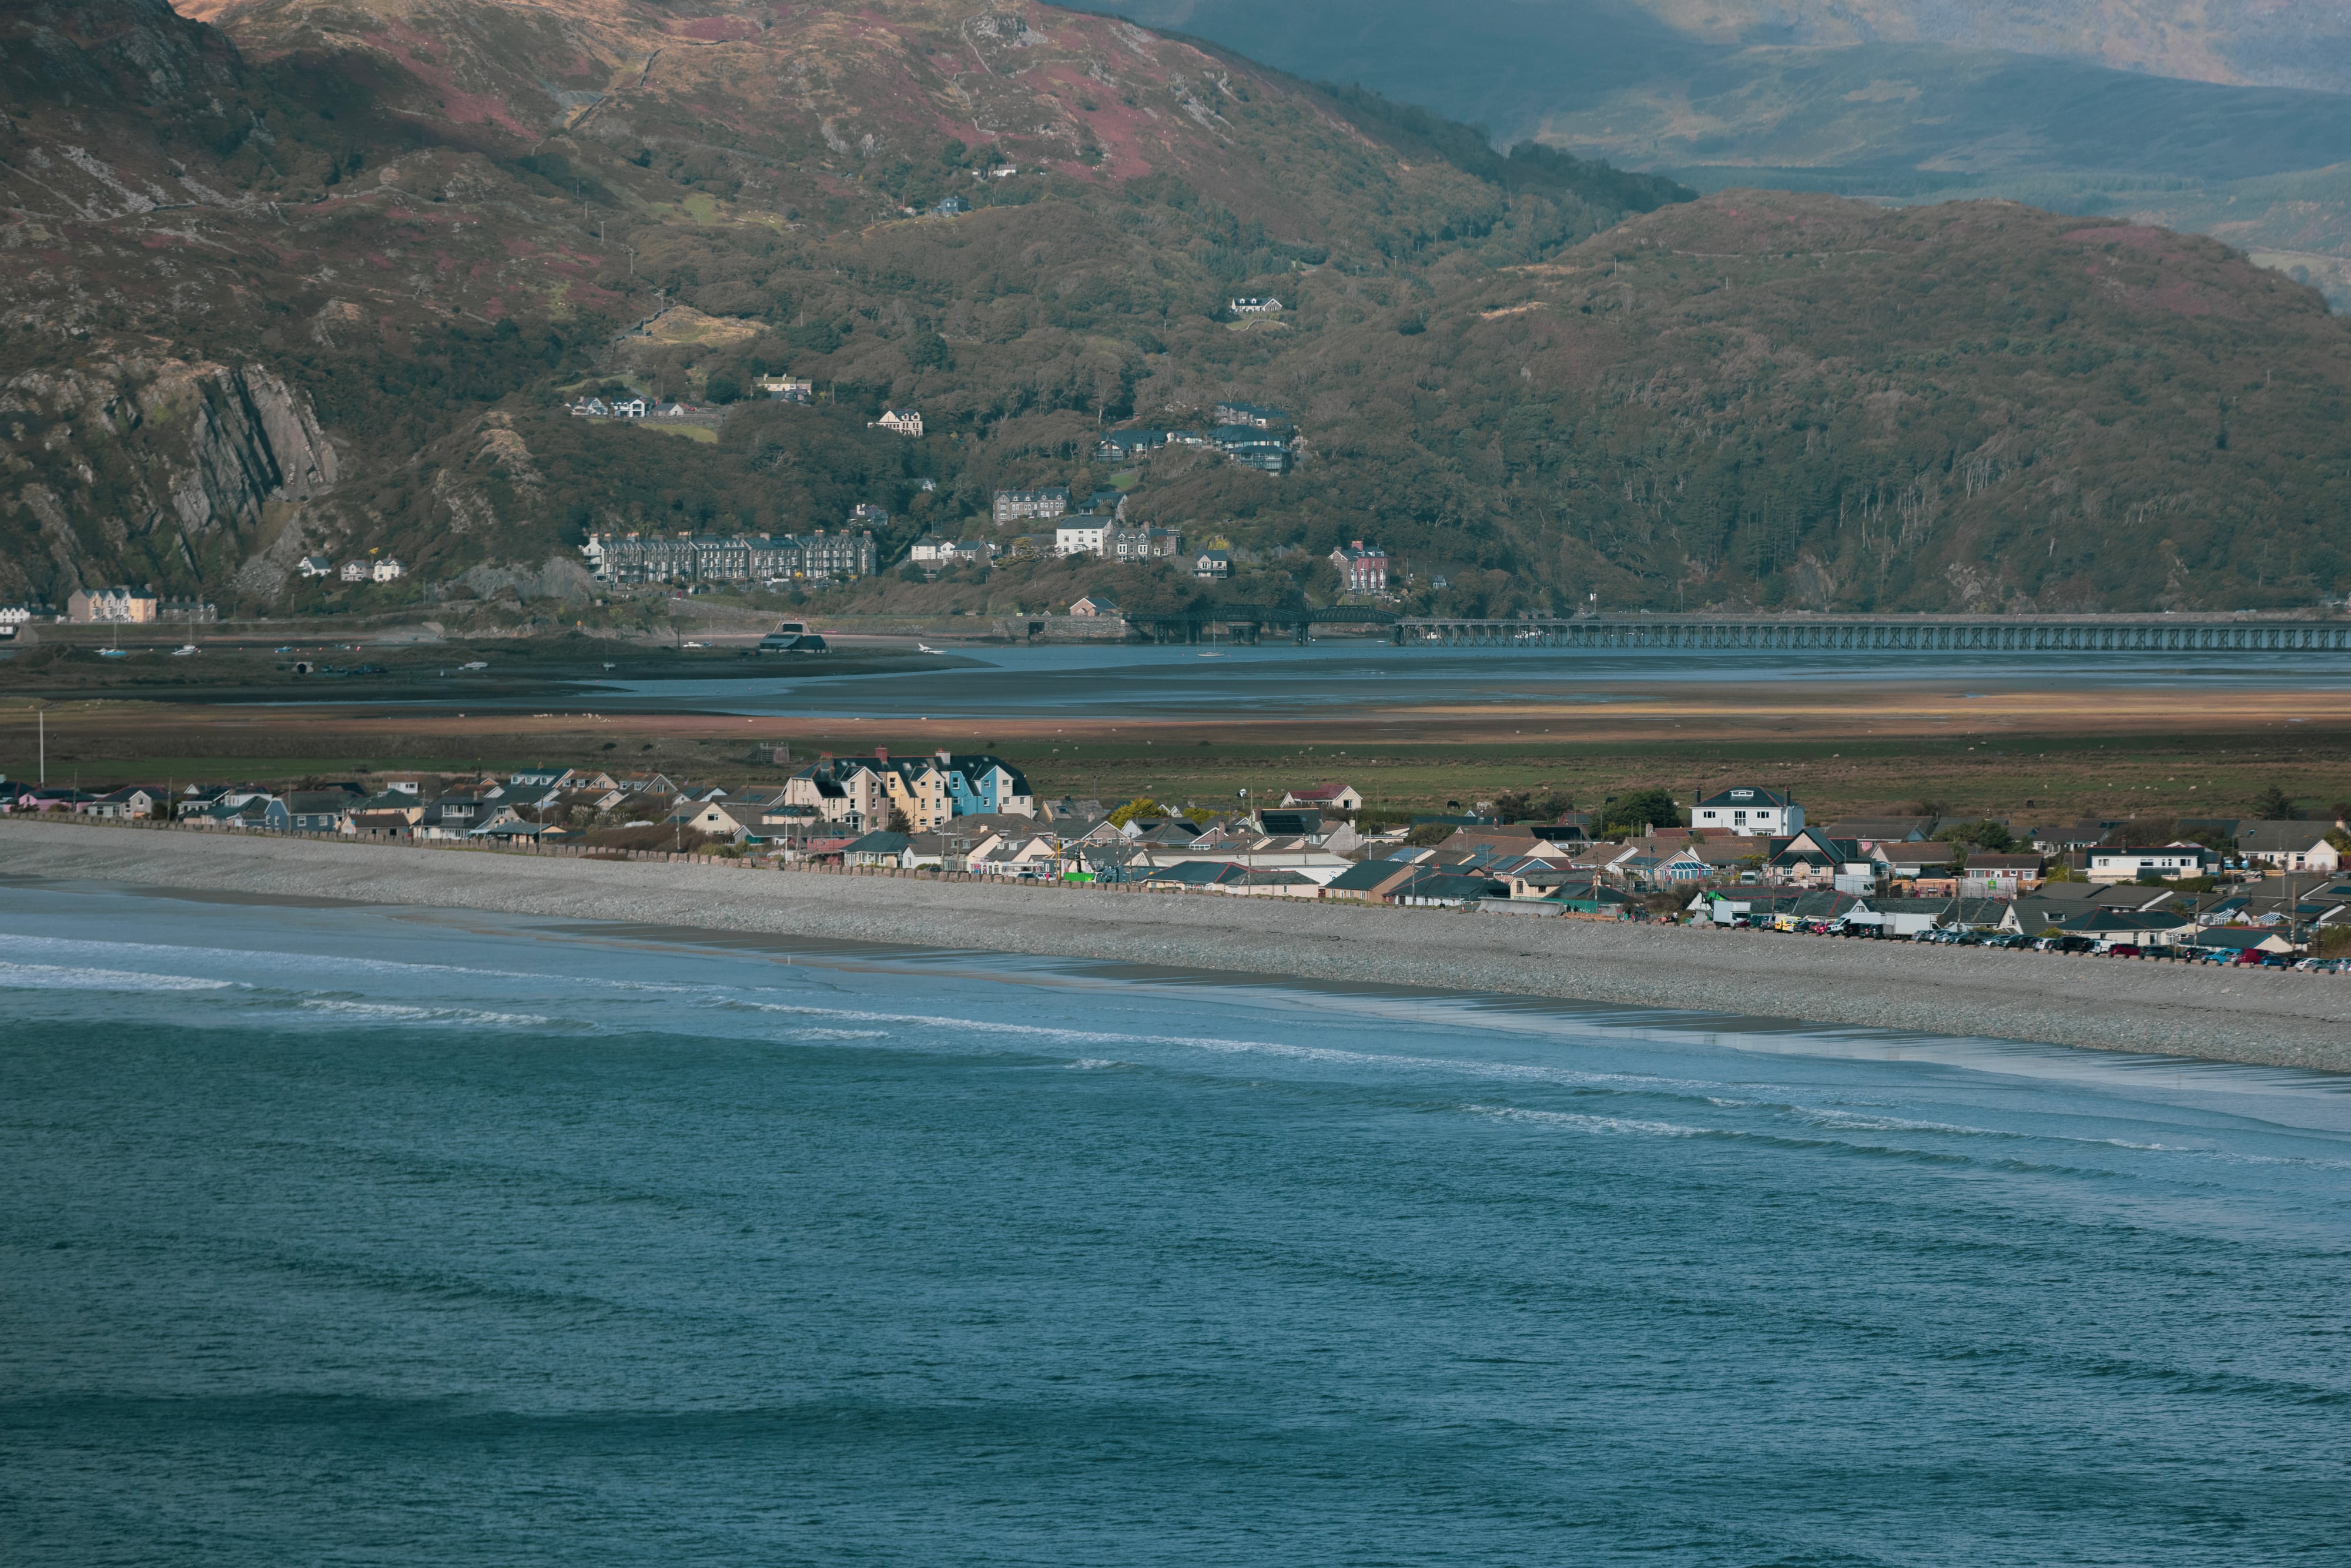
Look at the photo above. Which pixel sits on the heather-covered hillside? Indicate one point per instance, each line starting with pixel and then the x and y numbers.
pixel 315 278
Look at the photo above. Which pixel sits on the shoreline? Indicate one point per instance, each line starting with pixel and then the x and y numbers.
pixel 2266 1017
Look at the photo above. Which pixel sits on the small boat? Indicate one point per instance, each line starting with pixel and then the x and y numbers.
pixel 697 644
pixel 114 653
pixel 184 651
pixel 925 648
pixel 1212 655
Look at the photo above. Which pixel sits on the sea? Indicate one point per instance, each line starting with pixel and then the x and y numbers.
pixel 342 1234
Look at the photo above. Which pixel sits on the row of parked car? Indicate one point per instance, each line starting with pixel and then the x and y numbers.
pixel 2232 958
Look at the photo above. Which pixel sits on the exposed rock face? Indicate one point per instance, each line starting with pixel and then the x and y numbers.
pixel 167 472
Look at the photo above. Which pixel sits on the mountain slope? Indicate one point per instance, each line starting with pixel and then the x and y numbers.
pixel 432 221
pixel 1792 401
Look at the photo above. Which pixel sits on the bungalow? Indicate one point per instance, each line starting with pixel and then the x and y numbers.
pixel 2290 846
pixel 1095 606
pixel 252 813
pixel 876 849
pixel 2119 863
pixel 316 566
pixel 318 810
pixel 1213 565
pixel 1747 809
pixel 1370 881
pixel 1909 860
pixel 131 801
pixel 1324 798
pixel 1449 889
pixel 712 819
pixel 1883 830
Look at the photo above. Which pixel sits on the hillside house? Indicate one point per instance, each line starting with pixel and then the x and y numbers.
pixel 358 570
pixel 1256 305
pixel 1094 606
pixel 1029 506
pixel 899 420
pixel 1362 569
pixel 316 566
pixel 1212 565
pixel 1135 542
pixel 1253 415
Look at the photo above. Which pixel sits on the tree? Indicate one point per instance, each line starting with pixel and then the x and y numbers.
pixel 1643 809
pixel 1985 835
pixel 723 387
pixel 1141 806
pixel 2275 805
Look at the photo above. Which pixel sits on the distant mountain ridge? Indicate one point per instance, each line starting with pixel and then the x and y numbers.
pixel 1892 99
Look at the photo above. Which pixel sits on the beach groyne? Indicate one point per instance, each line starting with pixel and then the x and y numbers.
pixel 2270 1016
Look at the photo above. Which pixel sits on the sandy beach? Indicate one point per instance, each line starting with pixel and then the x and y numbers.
pixel 2106 1004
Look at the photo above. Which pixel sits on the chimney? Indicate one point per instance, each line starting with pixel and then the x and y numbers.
pixel 880 753
pixel 943 756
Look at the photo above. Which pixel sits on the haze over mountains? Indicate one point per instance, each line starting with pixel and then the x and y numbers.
pixel 2227 115
pixel 318 277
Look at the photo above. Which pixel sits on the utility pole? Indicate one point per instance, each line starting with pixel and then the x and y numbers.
pixel 44 714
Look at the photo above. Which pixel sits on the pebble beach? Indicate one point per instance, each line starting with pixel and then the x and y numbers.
pixel 2263 1016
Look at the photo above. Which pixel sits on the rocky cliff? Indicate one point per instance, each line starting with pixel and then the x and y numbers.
pixel 153 471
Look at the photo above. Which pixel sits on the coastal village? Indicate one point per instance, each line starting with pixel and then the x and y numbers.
pixel 2273 890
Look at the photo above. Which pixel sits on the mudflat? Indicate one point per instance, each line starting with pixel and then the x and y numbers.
pixel 2268 1017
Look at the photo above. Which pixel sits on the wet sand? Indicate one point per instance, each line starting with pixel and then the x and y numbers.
pixel 2273 1017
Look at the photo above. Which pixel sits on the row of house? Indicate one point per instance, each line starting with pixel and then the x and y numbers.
pixel 1252 434
pixel 623 559
pixel 115 606
pixel 374 569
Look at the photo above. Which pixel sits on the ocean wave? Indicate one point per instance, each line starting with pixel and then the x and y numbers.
pixel 396 1012
pixel 78 978
pixel 1328 1055
pixel 1580 1123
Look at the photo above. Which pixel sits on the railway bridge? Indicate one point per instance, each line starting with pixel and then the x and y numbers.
pixel 1248 623
pixel 1891 635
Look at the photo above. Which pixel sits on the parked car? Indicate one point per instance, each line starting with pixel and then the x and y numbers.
pixel 2125 950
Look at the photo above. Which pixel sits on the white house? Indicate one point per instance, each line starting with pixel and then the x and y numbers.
pixel 1255 305
pixel 1083 537
pixel 903 420
pixel 1748 810
pixel 2109 863
pixel 1325 798
pixel 316 566
pixel 932 550
pixel 357 571
pixel 386 570
pixel 2290 846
